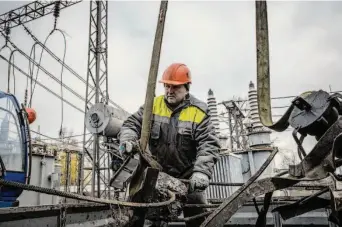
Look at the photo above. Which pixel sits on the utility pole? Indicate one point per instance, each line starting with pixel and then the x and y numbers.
pixel 96 91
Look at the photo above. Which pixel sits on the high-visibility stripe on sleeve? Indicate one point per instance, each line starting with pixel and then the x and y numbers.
pixel 192 114
pixel 160 108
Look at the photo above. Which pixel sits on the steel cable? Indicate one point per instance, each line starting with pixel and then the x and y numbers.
pixel 40 84
pixel 67 66
pixel 50 191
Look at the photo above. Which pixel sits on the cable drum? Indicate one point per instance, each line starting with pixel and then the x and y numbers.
pixel 103 119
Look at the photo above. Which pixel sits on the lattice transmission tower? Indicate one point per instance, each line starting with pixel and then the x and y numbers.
pixel 94 158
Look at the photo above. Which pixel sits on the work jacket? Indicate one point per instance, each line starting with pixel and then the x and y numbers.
pixel 183 141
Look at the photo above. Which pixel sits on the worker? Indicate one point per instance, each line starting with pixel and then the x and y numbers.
pixel 182 140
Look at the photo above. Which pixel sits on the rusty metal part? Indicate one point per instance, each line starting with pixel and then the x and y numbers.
pixel 261 221
pixel 216 183
pixel 77 213
pixel 227 209
pixel 187 219
pixel 145 155
pixel 317 165
pixel 263 71
pixel 123 174
pixel 305 185
pixel 320 161
pixel 174 210
pixel 304 205
pixel 218 215
pixel 144 194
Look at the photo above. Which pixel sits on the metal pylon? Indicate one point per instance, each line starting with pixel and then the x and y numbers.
pixel 94 161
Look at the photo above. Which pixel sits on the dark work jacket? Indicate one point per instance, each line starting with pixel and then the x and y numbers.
pixel 182 140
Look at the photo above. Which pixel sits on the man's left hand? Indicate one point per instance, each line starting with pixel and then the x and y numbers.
pixel 198 182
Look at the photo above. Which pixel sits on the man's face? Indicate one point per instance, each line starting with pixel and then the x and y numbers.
pixel 175 93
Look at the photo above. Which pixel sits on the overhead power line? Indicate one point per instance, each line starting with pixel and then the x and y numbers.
pixel 40 84
pixel 73 72
pixel 44 70
pixel 280 97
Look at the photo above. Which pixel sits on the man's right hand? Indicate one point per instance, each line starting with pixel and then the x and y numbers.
pixel 126 147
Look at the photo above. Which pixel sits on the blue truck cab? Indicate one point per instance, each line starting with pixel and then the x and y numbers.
pixel 14 148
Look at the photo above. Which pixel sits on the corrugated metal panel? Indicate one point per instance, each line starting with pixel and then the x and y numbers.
pixel 227 169
pixel 237 170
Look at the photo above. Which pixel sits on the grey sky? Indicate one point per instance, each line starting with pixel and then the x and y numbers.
pixel 215 39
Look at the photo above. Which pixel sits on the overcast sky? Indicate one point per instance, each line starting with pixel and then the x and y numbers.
pixel 215 39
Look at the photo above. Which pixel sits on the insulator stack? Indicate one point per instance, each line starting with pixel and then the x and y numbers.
pixel 253 105
pixel 57 9
pixel 56 12
pixel 259 135
pixel 212 105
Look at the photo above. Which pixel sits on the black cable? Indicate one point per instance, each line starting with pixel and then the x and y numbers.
pixel 9 73
pixel 46 72
pixel 31 69
pixel 42 85
pixel 66 66
pixel 61 83
pixel 40 60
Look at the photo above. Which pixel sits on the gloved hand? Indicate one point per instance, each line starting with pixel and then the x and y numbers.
pixel 126 147
pixel 198 182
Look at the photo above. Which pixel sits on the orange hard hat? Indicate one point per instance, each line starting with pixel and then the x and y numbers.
pixel 31 115
pixel 176 74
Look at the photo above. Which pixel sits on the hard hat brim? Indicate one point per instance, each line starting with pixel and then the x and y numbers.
pixel 172 82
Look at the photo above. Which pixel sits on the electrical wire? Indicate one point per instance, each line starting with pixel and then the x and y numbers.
pixel 66 137
pixel 30 68
pixel 61 75
pixel 56 14
pixel 42 85
pixel 9 73
pixel 46 72
pixel 68 67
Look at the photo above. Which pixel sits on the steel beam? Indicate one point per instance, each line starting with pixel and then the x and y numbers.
pixel 30 12
pixel 85 214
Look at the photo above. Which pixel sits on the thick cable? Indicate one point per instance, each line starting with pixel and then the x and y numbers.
pixel 51 191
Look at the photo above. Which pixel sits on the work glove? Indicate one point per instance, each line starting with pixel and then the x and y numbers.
pixel 198 182
pixel 127 147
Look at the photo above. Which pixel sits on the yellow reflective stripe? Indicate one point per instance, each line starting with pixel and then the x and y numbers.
pixel 189 114
pixel 192 114
pixel 160 108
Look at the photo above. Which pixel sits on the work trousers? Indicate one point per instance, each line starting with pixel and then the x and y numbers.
pixel 193 198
